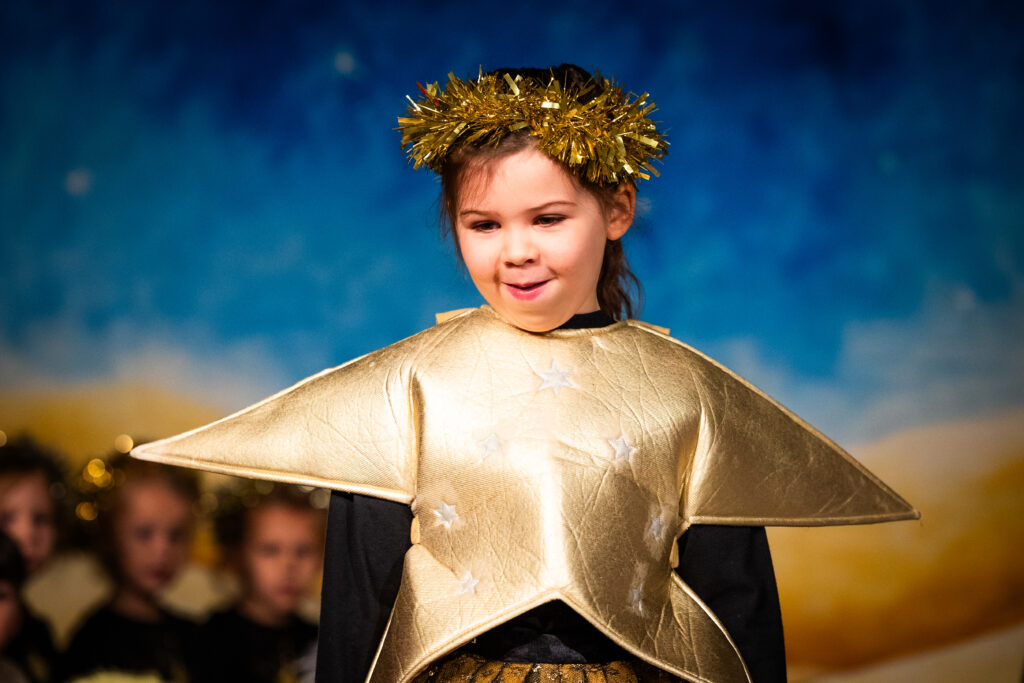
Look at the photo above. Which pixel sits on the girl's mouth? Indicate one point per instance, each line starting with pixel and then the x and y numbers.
pixel 163 575
pixel 526 291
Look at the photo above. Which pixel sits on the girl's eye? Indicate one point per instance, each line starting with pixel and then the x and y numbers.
pixel 269 549
pixel 550 219
pixel 483 226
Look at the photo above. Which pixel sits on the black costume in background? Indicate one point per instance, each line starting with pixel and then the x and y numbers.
pixel 32 649
pixel 110 641
pixel 729 568
pixel 235 648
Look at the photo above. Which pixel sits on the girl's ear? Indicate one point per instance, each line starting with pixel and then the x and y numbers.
pixel 620 213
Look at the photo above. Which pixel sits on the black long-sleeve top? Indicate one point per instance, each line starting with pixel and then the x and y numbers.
pixel 729 568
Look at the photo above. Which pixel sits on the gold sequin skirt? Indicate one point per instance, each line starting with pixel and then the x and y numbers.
pixel 472 669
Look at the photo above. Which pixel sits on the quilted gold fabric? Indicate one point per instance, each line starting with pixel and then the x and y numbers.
pixel 586 451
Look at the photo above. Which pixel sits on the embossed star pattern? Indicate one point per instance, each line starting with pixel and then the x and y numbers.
pixel 636 598
pixel 468 584
pixel 446 513
pixel 657 528
pixel 490 446
pixel 623 449
pixel 555 378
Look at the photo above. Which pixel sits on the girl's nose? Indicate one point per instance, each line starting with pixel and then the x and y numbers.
pixel 159 547
pixel 519 247
pixel 164 546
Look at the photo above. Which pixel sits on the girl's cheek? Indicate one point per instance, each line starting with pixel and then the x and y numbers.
pixel 48 535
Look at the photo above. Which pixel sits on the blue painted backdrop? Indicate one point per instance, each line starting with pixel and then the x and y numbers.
pixel 211 196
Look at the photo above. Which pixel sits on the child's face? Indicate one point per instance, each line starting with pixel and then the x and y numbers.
pixel 533 239
pixel 152 533
pixel 27 515
pixel 280 556
pixel 10 613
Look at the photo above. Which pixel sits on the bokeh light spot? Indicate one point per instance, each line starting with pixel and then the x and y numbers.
pixel 344 63
pixel 320 499
pixel 123 443
pixel 964 300
pixel 78 182
pixel 95 469
pixel 208 503
pixel 86 511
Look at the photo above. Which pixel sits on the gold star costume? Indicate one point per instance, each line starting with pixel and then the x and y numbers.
pixel 584 454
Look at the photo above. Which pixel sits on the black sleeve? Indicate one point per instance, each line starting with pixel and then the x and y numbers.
pixel 730 569
pixel 367 539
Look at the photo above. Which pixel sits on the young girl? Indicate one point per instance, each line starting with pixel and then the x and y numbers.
pixel 274 542
pixel 553 477
pixel 32 507
pixel 144 523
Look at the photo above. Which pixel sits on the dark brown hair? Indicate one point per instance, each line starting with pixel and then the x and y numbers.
pixel 619 293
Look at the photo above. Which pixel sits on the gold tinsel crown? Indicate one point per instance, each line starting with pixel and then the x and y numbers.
pixel 606 140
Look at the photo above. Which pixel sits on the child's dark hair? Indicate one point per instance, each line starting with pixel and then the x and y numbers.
pixel 12 564
pixel 104 482
pixel 236 504
pixel 618 290
pixel 23 456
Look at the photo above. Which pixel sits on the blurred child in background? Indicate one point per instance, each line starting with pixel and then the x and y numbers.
pixel 32 511
pixel 12 612
pixel 143 535
pixel 273 541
